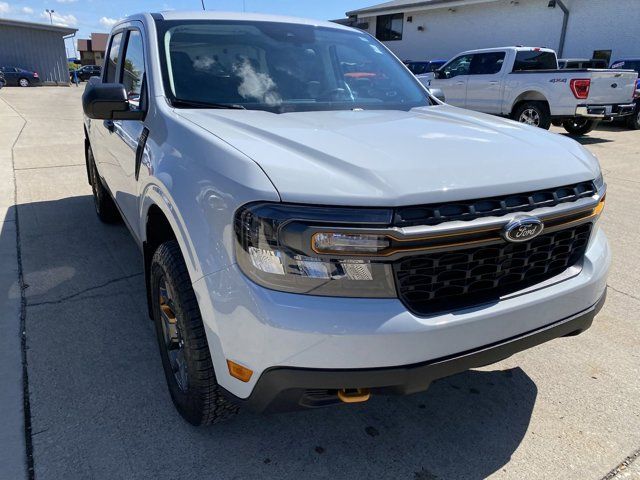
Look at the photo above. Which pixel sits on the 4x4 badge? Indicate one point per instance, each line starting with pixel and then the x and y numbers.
pixel 522 229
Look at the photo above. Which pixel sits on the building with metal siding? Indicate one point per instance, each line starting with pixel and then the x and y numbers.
pixel 439 29
pixel 36 47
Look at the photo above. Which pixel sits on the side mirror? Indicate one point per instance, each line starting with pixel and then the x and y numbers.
pixel 438 93
pixel 108 101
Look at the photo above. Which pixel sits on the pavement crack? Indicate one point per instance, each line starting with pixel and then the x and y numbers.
pixel 50 166
pixel 622 466
pixel 26 402
pixel 623 293
pixel 86 290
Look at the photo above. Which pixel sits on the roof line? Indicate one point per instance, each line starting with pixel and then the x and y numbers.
pixel 395 5
pixel 38 26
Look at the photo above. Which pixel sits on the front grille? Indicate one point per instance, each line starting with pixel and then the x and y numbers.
pixel 448 281
pixel 493 206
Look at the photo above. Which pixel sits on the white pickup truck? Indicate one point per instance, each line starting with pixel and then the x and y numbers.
pixel 525 84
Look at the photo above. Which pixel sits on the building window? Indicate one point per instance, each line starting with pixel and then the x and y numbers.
pixel 389 27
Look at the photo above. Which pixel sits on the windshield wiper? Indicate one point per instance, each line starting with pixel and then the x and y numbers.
pixel 178 102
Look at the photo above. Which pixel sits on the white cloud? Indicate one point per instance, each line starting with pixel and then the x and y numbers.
pixel 4 7
pixel 66 1
pixel 27 10
pixel 108 22
pixel 61 20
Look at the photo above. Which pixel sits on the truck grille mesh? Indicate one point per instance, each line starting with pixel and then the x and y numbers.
pixel 445 281
pixel 494 206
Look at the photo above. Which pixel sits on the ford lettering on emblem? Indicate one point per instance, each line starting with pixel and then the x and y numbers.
pixel 523 229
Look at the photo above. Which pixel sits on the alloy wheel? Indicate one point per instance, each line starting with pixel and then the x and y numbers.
pixel 24 82
pixel 530 116
pixel 173 341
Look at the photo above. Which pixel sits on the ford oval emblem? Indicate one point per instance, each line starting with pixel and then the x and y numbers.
pixel 614 85
pixel 523 229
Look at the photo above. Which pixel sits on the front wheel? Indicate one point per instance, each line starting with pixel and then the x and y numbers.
pixel 579 126
pixel 535 114
pixel 24 82
pixel 633 121
pixel 183 345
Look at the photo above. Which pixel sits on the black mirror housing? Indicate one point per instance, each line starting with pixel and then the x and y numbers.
pixel 108 101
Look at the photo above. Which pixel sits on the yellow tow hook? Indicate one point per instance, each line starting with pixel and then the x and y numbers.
pixel 354 395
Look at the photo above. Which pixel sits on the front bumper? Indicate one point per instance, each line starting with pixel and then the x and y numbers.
pixel 605 111
pixel 286 388
pixel 264 330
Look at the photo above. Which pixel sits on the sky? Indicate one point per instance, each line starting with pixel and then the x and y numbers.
pixel 99 15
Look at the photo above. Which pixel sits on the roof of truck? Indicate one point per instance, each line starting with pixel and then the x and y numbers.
pixel 518 48
pixel 251 17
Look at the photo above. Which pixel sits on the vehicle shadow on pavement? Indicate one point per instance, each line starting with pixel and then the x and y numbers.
pixel 100 407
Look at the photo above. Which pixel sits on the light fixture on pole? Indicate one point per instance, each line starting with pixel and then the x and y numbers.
pixel 50 12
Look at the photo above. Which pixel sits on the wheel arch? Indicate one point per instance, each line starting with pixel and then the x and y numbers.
pixel 528 96
pixel 157 230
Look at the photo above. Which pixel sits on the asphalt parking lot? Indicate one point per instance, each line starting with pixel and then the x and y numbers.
pixel 98 404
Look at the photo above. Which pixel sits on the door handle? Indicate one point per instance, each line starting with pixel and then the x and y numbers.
pixel 109 125
pixel 459 83
pixel 493 83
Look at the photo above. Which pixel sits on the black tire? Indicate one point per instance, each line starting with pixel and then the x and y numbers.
pixel 105 206
pixel 533 113
pixel 24 82
pixel 633 121
pixel 579 126
pixel 189 372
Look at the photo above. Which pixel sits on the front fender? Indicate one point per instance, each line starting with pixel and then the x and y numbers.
pixel 198 181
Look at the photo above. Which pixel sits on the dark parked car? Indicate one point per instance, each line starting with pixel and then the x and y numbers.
pixel 88 71
pixel 419 68
pixel 633 121
pixel 20 77
pixel 2 80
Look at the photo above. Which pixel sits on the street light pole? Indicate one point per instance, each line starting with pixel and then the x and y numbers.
pixel 51 12
pixel 203 7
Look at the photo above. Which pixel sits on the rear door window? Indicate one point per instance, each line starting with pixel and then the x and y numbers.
pixel 487 63
pixel 112 58
pixel 535 60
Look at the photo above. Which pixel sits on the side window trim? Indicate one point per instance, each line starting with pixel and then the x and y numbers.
pixel 107 57
pixel 123 52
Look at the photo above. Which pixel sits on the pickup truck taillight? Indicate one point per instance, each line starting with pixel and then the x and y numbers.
pixel 580 87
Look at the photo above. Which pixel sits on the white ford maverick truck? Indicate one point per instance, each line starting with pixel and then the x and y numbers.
pixel 315 228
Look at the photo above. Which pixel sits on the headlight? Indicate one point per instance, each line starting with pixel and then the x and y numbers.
pixel 599 181
pixel 305 249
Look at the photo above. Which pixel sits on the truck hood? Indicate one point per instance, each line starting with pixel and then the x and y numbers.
pixel 393 158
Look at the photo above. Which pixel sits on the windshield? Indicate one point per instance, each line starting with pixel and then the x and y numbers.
pixel 282 67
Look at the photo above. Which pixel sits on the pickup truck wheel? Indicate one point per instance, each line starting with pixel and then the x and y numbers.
pixel 579 126
pixel 633 121
pixel 183 345
pixel 105 206
pixel 535 114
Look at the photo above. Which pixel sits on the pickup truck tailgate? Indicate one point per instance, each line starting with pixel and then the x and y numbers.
pixel 612 87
